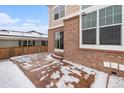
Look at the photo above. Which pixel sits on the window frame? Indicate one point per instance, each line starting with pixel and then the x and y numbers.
pixel 28 43
pixel 98 46
pixel 88 28
pixel 59 13
pixel 58 49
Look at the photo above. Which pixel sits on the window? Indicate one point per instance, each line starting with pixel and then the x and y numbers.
pixel 26 43
pixel 44 43
pixel 110 35
pixel 110 15
pixel 59 40
pixel 89 28
pixel 30 43
pixel 85 6
pixel 110 25
pixel 59 12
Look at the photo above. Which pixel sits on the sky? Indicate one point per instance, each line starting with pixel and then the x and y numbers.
pixel 24 18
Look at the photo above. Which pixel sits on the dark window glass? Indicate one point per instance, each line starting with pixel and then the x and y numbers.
pixel 56 16
pixel 44 43
pixel 59 40
pixel 89 36
pixel 30 43
pixel 20 43
pixel 59 12
pixel 33 43
pixel 62 13
pixel 110 35
pixel 25 43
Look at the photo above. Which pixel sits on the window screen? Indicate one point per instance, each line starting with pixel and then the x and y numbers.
pixel 89 36
pixel 89 28
pixel 110 35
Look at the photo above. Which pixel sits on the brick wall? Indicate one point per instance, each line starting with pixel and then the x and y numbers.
pixel 51 37
pixel 89 57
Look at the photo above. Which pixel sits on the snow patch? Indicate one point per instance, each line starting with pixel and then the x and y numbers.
pixel 100 77
pixel 100 80
pixel 43 72
pixel 44 77
pixel 49 57
pixel 12 77
pixel 28 66
pixel 114 65
pixel 121 67
pixel 64 70
pixel 44 66
pixel 66 79
pixel 55 75
pixel 115 82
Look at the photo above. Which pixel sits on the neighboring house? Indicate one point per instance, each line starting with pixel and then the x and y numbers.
pixel 89 34
pixel 16 38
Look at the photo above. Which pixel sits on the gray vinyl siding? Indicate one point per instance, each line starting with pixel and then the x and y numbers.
pixel 8 43
pixel 38 43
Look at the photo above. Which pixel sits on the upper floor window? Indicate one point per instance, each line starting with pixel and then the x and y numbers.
pixel 110 19
pixel 89 28
pixel 110 15
pixel 59 12
pixel 85 6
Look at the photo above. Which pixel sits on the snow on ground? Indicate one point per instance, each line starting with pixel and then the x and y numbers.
pixel 44 66
pixel 100 80
pixel 116 82
pixel 55 75
pixel 12 77
pixel 100 77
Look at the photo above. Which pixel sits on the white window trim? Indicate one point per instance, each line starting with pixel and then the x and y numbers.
pixel 59 14
pixel 97 46
pixel 59 42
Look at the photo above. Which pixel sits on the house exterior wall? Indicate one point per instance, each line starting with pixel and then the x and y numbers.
pixel 8 43
pixel 37 43
pixel 51 38
pixel 88 57
pixel 93 58
pixel 53 23
pixel 14 43
pixel 69 11
pixel 72 9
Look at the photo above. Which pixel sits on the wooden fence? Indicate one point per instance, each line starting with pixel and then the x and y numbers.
pixel 6 53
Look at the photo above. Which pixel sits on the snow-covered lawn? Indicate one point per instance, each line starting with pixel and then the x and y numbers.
pixel 12 77
pixel 116 82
